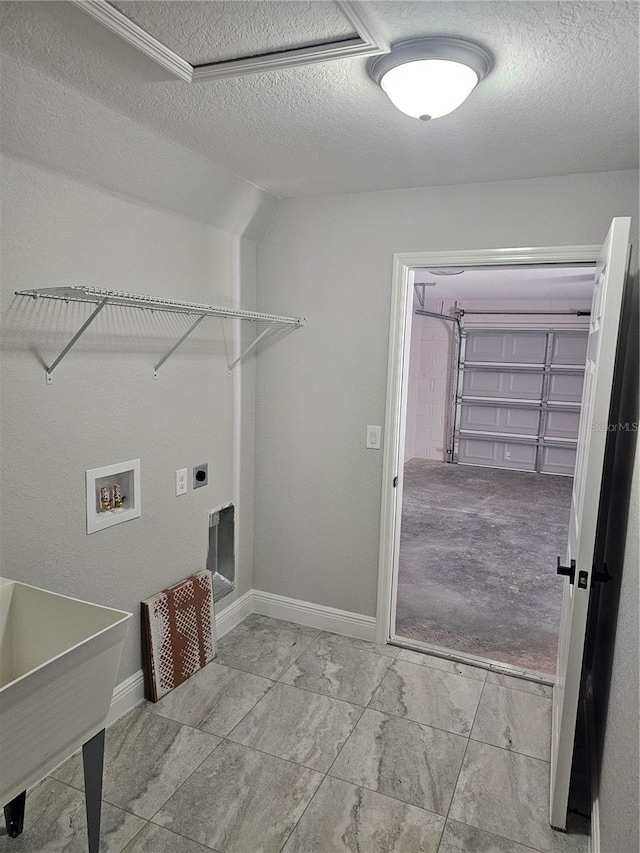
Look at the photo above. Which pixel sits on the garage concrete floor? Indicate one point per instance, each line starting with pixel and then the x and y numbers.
pixel 477 570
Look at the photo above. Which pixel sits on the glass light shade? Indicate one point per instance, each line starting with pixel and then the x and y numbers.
pixel 429 88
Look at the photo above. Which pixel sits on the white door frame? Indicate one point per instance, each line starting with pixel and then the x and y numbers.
pixel 397 374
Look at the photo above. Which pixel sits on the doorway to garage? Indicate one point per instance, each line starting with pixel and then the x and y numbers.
pixel 493 385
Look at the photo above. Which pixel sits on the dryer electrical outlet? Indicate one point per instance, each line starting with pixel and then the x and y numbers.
pixel 201 475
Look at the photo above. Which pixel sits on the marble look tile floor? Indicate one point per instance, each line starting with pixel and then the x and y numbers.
pixel 301 741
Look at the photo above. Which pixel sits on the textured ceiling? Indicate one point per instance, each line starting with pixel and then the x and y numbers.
pixel 60 129
pixel 562 97
pixel 203 32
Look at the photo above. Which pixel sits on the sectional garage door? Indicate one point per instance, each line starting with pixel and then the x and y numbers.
pixel 518 399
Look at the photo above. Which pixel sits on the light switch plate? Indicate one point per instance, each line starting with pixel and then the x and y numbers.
pixel 373 437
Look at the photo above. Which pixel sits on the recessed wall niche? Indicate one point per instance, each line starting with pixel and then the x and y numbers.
pixel 113 495
pixel 221 560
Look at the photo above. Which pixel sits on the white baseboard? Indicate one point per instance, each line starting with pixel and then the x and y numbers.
pixel 126 696
pixel 315 615
pixel 234 613
pixel 130 692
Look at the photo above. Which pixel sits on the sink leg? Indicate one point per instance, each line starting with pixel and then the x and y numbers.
pixel 14 815
pixel 93 759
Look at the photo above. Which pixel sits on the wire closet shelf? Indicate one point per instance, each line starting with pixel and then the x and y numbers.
pixel 101 298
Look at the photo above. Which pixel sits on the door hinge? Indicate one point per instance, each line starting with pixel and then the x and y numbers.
pixel 569 571
pixel 600 577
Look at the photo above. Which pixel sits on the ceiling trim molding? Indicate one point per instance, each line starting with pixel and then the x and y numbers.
pixel 369 41
pixel 363 22
pixel 499 257
pixel 130 32
pixel 282 59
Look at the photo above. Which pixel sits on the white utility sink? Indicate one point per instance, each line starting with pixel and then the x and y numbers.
pixel 58 665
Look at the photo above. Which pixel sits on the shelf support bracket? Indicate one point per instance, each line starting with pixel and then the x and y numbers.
pixel 191 328
pixel 252 345
pixel 83 328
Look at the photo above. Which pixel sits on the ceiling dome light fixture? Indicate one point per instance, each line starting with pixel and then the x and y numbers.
pixel 430 77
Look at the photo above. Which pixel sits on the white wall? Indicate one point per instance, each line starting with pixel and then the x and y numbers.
pixel 103 405
pixel 244 433
pixel 330 258
pixel 430 385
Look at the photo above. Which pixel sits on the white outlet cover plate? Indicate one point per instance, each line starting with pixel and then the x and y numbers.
pixel 181 481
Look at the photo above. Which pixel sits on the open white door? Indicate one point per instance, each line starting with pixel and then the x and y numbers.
pixel 603 337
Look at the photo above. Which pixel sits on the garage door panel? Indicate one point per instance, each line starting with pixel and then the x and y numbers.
pixel 569 348
pixel 500 419
pixel 522 421
pixel 558 460
pixel 562 424
pixel 502 384
pixel 496 454
pixel 517 389
pixel 480 418
pixel 565 387
pixel 518 347
pixel 523 386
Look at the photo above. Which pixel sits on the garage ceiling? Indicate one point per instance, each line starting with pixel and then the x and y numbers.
pixel 522 283
pixel 562 97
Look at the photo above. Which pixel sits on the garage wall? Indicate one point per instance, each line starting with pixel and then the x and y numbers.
pixel 412 395
pixel 430 368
